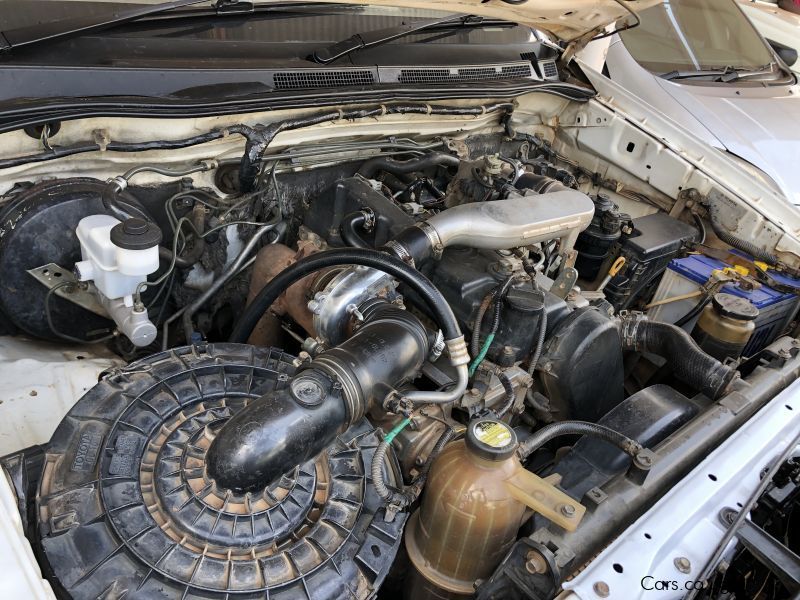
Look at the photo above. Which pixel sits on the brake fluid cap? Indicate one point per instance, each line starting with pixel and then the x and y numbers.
pixel 491 439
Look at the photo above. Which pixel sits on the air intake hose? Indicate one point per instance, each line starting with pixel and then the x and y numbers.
pixel 499 225
pixel 288 426
pixel 689 363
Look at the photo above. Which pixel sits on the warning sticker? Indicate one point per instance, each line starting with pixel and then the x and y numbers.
pixel 492 433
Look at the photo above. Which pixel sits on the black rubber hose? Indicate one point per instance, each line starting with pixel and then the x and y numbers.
pixel 554 430
pixel 408 494
pixel 439 307
pixel 747 246
pixel 384 492
pixel 511 395
pixel 694 311
pixel 119 208
pixel 396 167
pixel 541 184
pixel 349 230
pixel 687 361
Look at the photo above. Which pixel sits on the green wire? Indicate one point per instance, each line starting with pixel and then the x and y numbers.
pixel 397 429
pixel 481 355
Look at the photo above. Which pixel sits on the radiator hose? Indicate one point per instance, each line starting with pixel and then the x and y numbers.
pixel 687 361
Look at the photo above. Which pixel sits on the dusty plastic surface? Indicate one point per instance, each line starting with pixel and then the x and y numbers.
pixel 471 511
pixel 40 382
pixel 126 508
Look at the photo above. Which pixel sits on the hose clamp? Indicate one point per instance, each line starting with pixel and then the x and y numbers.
pixel 119 181
pixel 400 252
pixel 629 329
pixel 433 237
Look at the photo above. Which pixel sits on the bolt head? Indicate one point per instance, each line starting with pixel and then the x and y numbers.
pixel 682 564
pixel 535 563
pixel 601 589
pixel 567 510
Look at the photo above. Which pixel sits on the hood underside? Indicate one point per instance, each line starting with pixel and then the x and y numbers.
pixel 566 19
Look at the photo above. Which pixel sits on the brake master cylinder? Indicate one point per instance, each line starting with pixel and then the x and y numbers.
pixel 478 495
pixel 117 258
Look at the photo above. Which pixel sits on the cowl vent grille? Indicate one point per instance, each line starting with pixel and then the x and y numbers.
pixel 471 73
pixel 291 80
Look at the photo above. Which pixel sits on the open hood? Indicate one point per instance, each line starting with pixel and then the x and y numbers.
pixel 566 19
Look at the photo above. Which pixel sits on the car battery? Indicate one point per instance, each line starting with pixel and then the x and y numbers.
pixel 686 275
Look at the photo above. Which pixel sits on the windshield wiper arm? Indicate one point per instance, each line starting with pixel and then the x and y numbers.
pixel 381 36
pixel 725 74
pixel 42 32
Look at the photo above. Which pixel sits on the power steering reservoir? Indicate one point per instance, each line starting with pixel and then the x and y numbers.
pixel 725 326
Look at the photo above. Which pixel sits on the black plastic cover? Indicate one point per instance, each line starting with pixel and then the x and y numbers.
pixel 655 240
pixel 582 368
pixel 324 214
pixel 127 509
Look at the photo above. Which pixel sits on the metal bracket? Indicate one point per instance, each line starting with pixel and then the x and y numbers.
pixel 779 559
pixel 564 283
pixel 52 275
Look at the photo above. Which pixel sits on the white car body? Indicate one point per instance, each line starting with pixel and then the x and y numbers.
pixel 758 125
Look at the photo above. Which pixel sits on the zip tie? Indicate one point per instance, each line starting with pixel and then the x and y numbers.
pixel 384 110
pixel 430 108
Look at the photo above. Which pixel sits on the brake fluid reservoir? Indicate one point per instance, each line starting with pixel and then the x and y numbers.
pixel 477 496
pixel 117 256
pixel 725 326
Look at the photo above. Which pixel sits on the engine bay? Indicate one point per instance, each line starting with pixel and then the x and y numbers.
pixel 392 365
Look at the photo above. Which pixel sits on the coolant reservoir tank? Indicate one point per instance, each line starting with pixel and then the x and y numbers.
pixel 477 497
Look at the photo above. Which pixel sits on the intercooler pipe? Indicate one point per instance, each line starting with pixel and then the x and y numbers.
pixel 688 362
pixel 499 225
pixel 396 167
pixel 292 425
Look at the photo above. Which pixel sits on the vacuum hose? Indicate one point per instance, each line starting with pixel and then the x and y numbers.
pixel 689 363
pixel 747 246
pixel 396 167
pixel 549 432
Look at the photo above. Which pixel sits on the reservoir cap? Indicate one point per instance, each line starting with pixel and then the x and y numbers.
pixel 491 439
pixel 734 307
